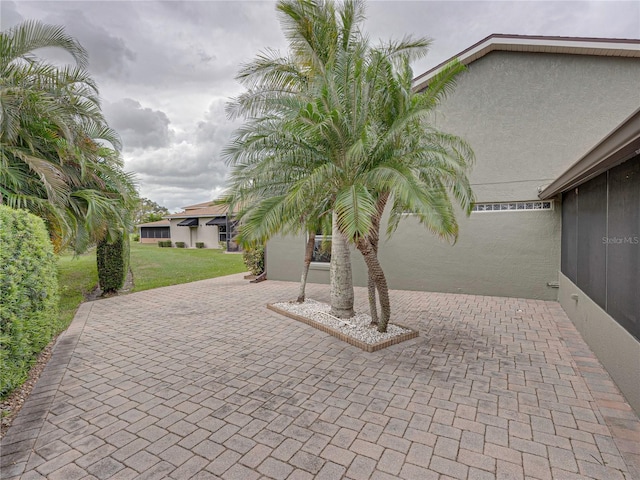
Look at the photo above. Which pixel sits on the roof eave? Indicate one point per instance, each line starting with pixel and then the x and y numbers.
pixel 195 215
pixel 536 44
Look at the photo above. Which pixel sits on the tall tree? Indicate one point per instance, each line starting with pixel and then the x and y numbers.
pixel 420 158
pixel 58 157
pixel 350 139
pixel 317 32
pixel 147 210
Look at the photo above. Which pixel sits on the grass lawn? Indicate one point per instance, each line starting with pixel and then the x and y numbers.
pixel 77 276
pixel 155 267
pixel 152 267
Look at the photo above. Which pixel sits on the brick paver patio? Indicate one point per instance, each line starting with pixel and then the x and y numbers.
pixel 202 381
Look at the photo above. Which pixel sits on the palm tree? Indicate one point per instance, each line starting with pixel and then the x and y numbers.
pixel 346 135
pixel 58 157
pixel 408 153
pixel 316 31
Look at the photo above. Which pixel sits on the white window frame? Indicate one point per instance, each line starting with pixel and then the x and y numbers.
pixel 519 206
pixel 320 265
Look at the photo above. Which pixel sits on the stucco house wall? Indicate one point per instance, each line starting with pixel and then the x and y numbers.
pixel 527 116
pixel 180 234
pixel 208 234
pixel 203 213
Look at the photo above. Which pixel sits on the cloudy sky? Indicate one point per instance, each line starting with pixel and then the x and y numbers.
pixel 166 69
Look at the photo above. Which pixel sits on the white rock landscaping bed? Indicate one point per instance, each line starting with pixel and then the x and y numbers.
pixel 357 329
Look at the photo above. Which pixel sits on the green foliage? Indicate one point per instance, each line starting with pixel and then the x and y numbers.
pixel 147 211
pixel 135 237
pixel 113 263
pixel 199 244
pixel 59 159
pixel 181 245
pixel 253 258
pixel 164 243
pixel 28 294
pixel 336 127
pixel 153 217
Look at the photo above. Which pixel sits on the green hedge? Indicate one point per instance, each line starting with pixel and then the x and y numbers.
pixel 254 259
pixel 113 263
pixel 181 245
pixel 28 294
pixel 199 244
pixel 164 243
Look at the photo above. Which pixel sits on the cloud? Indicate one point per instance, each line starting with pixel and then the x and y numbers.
pixel 9 15
pixel 165 69
pixel 109 54
pixel 139 127
pixel 455 25
pixel 190 166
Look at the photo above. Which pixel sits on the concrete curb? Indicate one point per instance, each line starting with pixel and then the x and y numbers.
pixel 367 347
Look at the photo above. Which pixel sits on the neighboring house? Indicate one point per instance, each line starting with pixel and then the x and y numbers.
pixel 204 223
pixel 530 107
pixel 153 232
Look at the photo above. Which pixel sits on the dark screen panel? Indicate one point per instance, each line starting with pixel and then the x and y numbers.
pixel 592 229
pixel 155 232
pixel 569 250
pixel 623 244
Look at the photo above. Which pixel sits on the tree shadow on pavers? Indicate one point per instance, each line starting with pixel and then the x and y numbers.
pixel 451 349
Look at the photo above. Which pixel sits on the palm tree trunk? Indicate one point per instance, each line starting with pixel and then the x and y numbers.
pixel 308 255
pixel 375 270
pixel 374 240
pixel 340 274
pixel 373 307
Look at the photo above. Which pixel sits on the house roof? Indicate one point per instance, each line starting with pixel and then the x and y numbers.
pixel 205 209
pixel 159 223
pixel 618 146
pixel 611 47
pixel 199 205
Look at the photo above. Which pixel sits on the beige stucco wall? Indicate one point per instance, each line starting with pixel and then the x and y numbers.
pixel 191 235
pixel 617 349
pixel 528 117
pixel 152 240
pixel 513 254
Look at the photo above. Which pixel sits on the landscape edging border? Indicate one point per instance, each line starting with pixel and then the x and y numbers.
pixel 367 347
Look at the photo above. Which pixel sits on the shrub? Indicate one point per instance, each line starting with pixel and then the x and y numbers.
pixel 180 245
pixel 164 243
pixel 113 263
pixel 254 259
pixel 135 237
pixel 199 244
pixel 28 294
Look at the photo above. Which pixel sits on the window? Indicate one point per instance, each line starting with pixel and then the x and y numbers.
pixel 512 206
pixel 222 233
pixel 322 249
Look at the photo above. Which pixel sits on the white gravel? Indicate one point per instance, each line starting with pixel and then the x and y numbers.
pixel 357 327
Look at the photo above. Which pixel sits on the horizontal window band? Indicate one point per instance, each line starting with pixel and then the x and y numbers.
pixel 513 206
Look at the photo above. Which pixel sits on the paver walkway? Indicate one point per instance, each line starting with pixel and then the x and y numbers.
pixel 202 381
